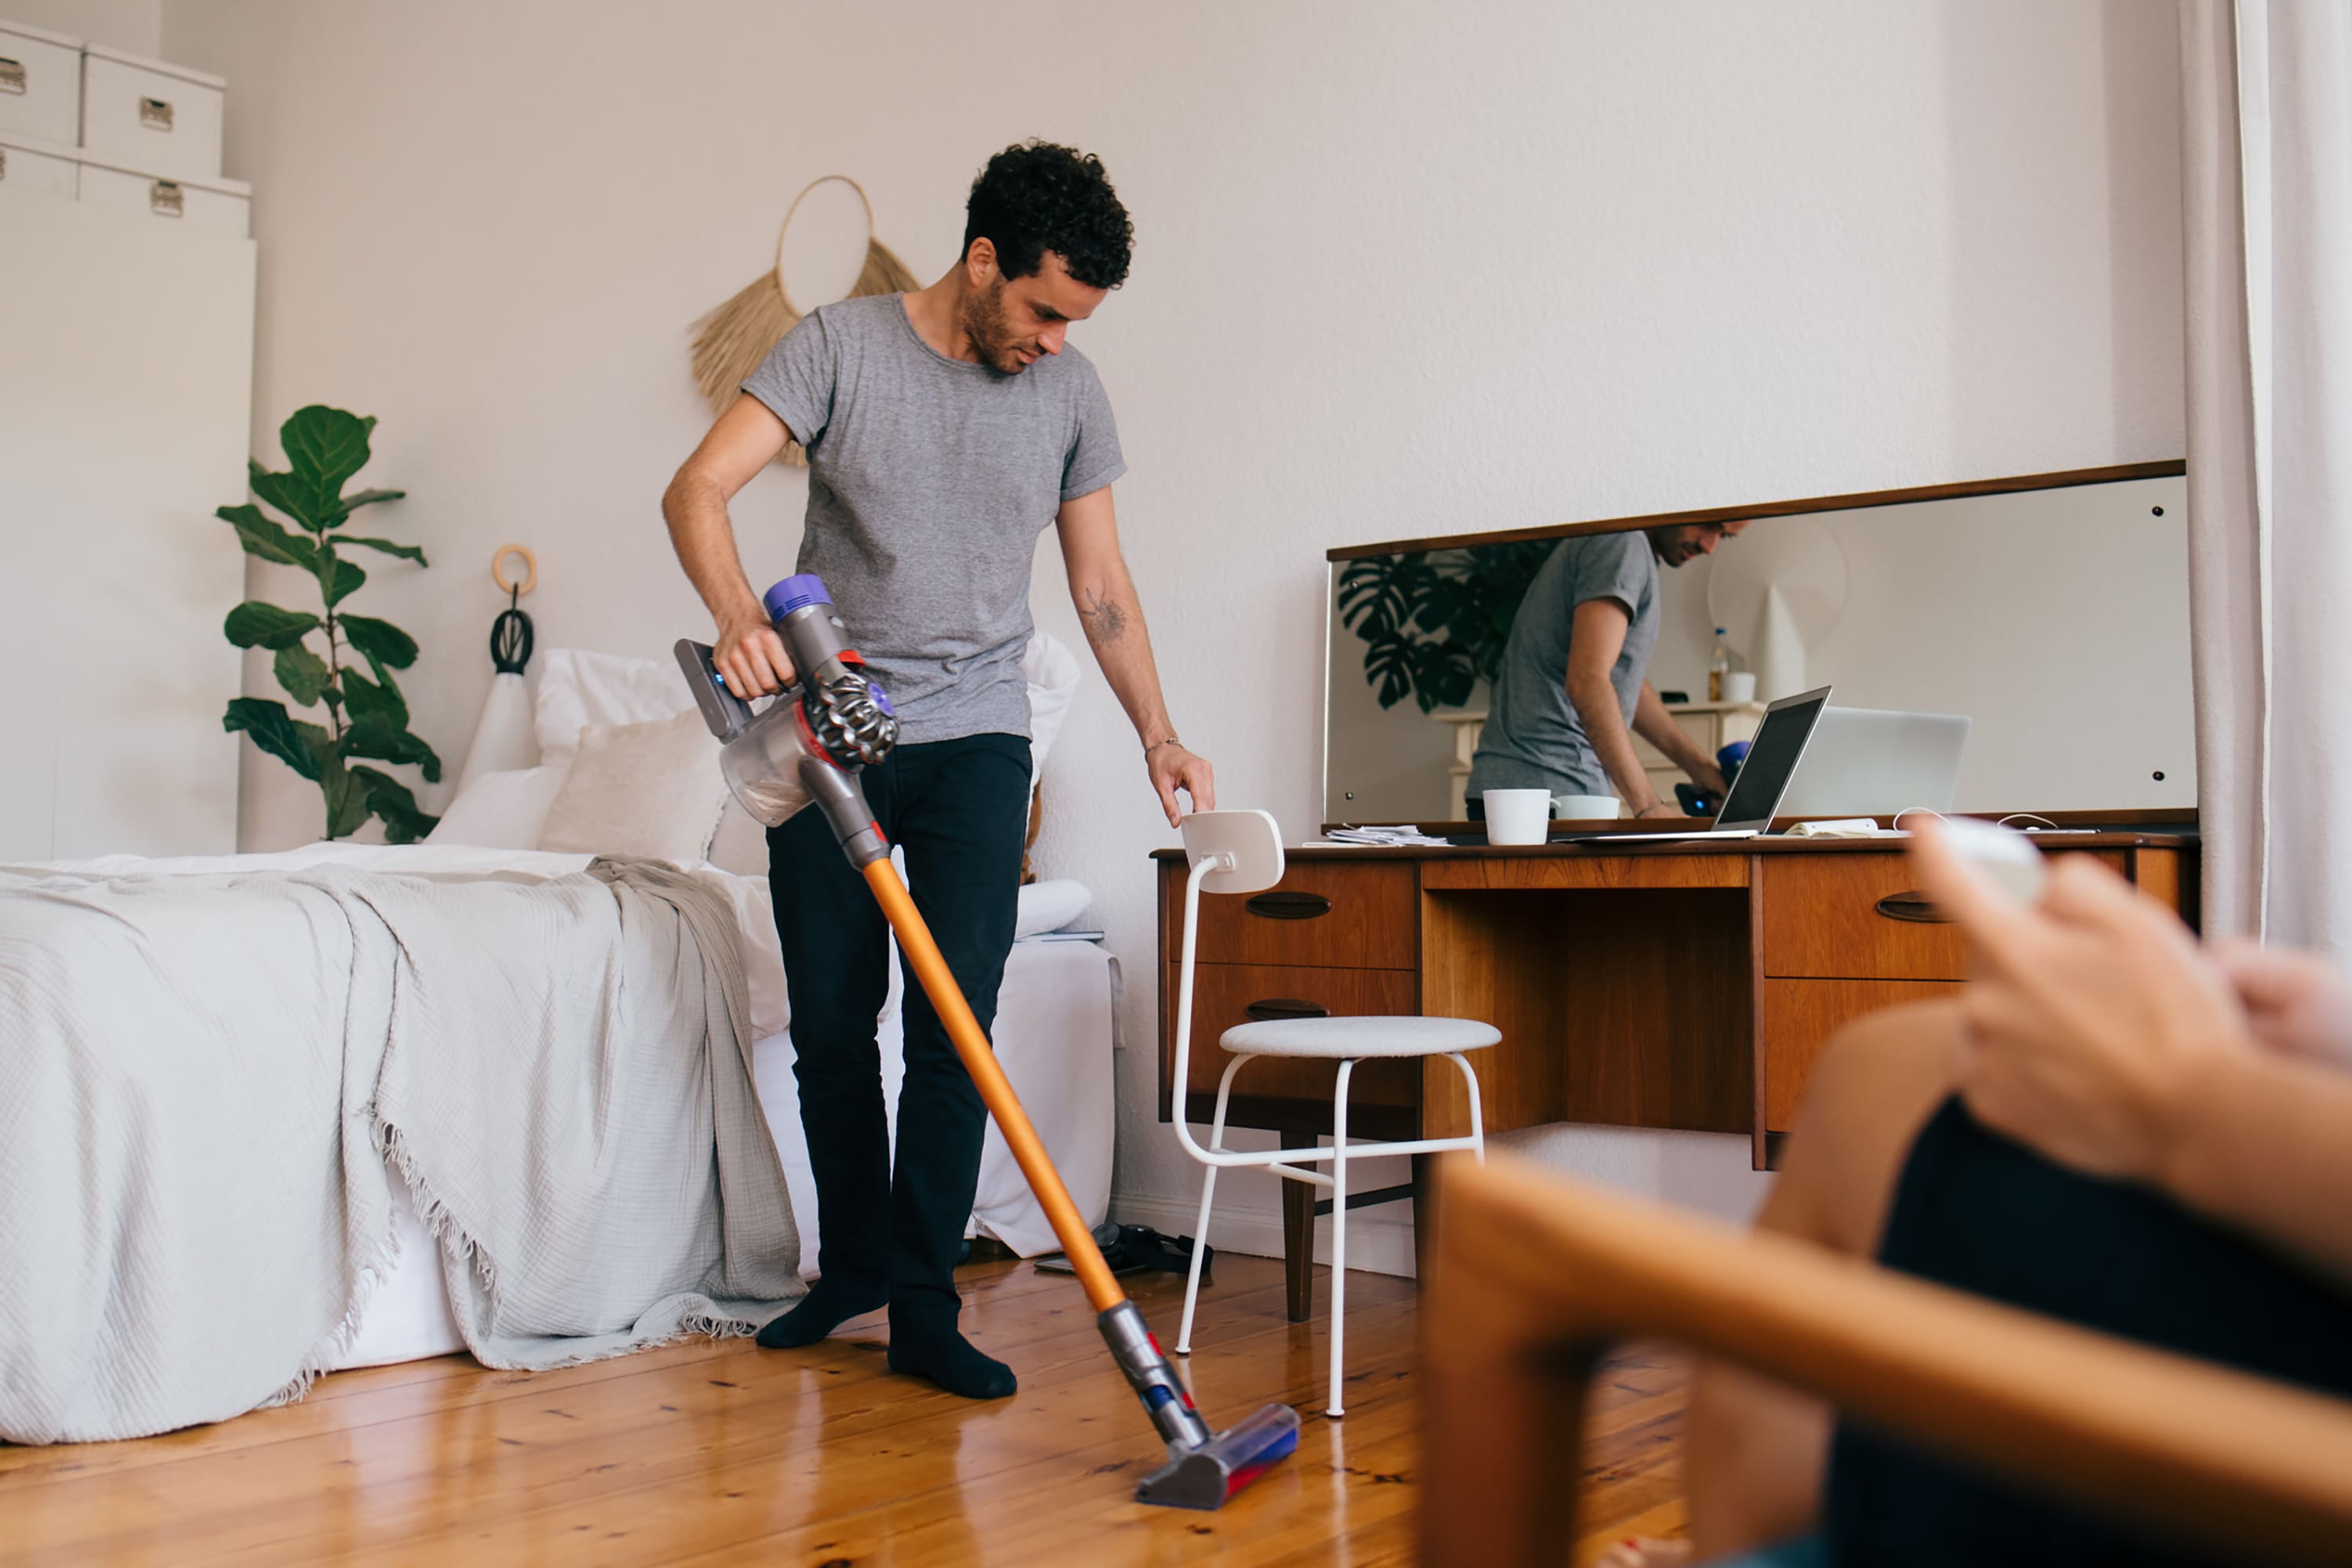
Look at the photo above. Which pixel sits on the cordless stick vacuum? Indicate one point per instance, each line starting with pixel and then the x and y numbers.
pixel 809 745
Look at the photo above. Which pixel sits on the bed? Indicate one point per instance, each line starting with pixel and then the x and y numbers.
pixel 1055 1014
pixel 567 1122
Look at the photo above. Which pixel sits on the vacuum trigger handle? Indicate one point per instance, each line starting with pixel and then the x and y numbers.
pixel 722 710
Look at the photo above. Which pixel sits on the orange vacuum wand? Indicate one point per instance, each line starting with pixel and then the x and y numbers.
pixel 1204 1468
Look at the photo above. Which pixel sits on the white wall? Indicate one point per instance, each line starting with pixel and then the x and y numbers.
pixel 135 27
pixel 1401 269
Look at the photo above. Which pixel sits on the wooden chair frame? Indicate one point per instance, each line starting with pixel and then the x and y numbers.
pixel 1534 1275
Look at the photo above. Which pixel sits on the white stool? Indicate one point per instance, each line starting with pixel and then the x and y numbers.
pixel 1240 852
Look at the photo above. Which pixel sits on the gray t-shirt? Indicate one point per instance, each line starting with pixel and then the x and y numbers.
pixel 1533 738
pixel 929 481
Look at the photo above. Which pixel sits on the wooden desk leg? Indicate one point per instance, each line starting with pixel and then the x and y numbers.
pixel 1299 1235
pixel 1424 1216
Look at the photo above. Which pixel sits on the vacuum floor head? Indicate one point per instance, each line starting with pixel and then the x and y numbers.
pixel 1203 1477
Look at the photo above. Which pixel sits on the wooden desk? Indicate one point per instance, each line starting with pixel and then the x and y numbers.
pixel 1684 985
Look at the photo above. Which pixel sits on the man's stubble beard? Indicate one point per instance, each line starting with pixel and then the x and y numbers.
pixel 984 323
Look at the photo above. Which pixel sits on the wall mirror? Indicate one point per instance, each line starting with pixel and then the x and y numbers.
pixel 2051 610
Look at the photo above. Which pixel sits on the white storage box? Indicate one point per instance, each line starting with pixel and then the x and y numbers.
pixel 144 115
pixel 37 168
pixel 223 204
pixel 40 84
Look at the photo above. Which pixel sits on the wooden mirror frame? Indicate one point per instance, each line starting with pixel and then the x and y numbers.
pixel 2169 467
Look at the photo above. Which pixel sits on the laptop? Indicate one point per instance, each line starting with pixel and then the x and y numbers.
pixel 1868 762
pixel 1762 780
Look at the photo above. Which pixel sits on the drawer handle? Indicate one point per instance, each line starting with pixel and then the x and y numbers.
pixel 12 76
pixel 1274 1007
pixel 154 114
pixel 164 199
pixel 1914 908
pixel 1289 906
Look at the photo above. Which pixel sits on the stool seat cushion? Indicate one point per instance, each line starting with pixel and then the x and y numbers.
pixel 1334 1038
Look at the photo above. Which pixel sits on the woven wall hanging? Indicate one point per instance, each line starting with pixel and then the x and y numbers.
pixel 731 342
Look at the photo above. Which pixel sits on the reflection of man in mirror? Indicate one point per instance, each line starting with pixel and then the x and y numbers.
pixel 1574 689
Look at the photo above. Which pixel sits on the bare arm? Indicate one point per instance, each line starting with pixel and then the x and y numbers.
pixel 1655 725
pixel 745 439
pixel 1106 602
pixel 1596 637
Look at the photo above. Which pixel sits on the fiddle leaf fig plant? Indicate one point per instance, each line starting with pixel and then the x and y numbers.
pixel 1434 623
pixel 318 655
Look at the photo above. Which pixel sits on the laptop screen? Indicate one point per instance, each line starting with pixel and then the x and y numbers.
pixel 1771 762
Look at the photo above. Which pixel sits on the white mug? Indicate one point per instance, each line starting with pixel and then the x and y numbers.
pixel 1739 686
pixel 1588 807
pixel 1516 816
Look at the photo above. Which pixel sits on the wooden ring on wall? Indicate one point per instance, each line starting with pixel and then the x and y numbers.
pixel 787 227
pixel 529 565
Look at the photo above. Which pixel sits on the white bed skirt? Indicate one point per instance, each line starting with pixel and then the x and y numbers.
pixel 1055 1018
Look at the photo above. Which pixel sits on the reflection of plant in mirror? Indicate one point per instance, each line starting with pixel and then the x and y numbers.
pixel 365 717
pixel 1436 622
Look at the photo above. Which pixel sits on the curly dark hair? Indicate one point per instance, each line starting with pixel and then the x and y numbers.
pixel 1036 196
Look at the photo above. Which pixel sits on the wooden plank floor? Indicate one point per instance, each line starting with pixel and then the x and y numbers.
pixel 716 1451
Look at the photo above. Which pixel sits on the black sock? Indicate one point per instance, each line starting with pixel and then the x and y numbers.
pixel 947 1359
pixel 829 1303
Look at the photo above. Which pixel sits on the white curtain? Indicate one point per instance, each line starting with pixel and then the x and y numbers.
pixel 2266 168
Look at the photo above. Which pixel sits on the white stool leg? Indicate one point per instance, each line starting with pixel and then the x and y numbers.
pixel 1477 1117
pixel 1339 1235
pixel 1208 1194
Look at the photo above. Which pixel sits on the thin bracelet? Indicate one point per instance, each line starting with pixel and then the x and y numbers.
pixel 1170 741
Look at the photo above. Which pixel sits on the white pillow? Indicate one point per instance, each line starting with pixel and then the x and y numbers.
pixel 577 689
pixel 502 810
pixel 1049 906
pixel 650 789
pixel 741 845
pixel 1053 674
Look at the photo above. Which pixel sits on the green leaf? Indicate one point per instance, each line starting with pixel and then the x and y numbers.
pixel 390 799
pixel 324 447
pixel 337 579
pixel 1388 669
pixel 383 642
pixel 257 624
pixel 345 506
pixel 367 700
pixel 287 739
pixel 262 536
pixel 347 798
pixel 409 552
pixel 372 736
pixel 303 673
pixel 286 493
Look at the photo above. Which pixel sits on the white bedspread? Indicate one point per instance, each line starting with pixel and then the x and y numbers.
pixel 198 1073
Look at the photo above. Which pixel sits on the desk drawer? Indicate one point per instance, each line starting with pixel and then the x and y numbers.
pixel 1828 916
pixel 1800 1016
pixel 1323 914
pixel 1859 916
pixel 1224 997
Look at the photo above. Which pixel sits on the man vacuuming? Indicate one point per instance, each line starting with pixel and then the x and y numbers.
pixel 945 428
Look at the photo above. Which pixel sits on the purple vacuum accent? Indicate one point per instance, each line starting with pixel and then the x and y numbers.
pixel 881 698
pixel 796 593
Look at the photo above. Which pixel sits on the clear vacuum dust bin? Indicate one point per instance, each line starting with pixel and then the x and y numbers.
pixel 808 742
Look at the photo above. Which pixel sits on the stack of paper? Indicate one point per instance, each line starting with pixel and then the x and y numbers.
pixel 1378 838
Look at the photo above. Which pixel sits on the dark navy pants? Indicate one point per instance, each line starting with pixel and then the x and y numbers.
pixel 960 809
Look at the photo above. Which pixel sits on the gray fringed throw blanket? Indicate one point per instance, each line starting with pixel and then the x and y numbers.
pixel 201 1075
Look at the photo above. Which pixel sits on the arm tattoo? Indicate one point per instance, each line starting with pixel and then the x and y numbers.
pixel 1105 622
